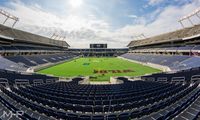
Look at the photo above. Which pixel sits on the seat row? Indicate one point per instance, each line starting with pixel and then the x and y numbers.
pixel 57 113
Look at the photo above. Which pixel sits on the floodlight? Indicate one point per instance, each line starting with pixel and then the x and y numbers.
pixel 187 17
pixel 139 37
pixel 9 16
pixel 58 37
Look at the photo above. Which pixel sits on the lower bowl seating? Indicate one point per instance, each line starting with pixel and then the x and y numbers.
pixel 71 101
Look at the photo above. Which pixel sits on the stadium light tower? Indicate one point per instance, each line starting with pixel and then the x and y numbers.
pixel 188 17
pixel 9 16
pixel 58 37
pixel 139 37
pixel 180 21
pixel 54 36
pixel 143 36
pixel 63 38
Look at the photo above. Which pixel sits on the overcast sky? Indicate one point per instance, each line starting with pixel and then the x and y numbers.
pixel 115 22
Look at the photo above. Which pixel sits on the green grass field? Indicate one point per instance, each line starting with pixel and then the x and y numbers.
pixel 101 69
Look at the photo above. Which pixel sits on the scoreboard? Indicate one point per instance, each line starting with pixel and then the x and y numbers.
pixel 98 45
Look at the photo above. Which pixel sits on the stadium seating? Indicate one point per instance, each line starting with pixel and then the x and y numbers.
pixel 9 48
pixel 174 62
pixel 70 100
pixel 21 60
pixel 191 112
pixel 8 78
pixel 190 75
pixel 168 37
pixel 35 60
pixel 161 96
pixel 9 65
pixel 189 49
pixel 109 52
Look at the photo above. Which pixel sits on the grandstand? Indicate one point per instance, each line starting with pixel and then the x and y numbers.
pixel 169 90
pixel 184 36
pixel 103 52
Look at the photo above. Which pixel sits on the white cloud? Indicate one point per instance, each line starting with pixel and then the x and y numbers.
pixel 83 30
pixel 133 16
pixel 165 21
pixel 77 28
pixel 155 2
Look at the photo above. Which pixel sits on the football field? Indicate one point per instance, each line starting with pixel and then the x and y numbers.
pixel 99 69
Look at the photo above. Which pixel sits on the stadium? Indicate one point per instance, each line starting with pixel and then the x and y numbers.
pixel 152 78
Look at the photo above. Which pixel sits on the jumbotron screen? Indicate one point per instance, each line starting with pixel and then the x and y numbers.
pixel 98 45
